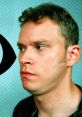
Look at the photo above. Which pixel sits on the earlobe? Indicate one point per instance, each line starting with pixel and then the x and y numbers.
pixel 73 54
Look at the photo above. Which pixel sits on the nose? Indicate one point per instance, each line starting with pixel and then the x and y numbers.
pixel 26 57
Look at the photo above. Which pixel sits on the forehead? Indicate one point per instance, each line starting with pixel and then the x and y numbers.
pixel 44 30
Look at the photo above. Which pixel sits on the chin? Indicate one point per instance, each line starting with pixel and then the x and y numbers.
pixel 29 88
pixel 32 90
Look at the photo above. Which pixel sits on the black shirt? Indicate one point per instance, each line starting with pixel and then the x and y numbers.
pixel 27 108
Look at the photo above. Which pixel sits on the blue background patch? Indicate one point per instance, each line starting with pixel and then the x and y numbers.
pixel 11 90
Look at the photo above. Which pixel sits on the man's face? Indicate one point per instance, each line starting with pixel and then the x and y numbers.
pixel 42 56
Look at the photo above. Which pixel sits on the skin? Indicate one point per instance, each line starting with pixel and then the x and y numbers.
pixel 43 53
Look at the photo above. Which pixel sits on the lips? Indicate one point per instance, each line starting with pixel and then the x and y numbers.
pixel 27 74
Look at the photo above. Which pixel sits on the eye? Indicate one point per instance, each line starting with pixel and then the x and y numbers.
pixel 40 46
pixel 21 49
pixel 8 55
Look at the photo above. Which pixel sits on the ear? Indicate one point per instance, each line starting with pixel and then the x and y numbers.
pixel 73 54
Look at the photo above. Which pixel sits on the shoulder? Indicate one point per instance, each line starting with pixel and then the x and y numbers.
pixel 26 101
pixel 80 104
pixel 24 107
pixel 80 107
pixel 78 113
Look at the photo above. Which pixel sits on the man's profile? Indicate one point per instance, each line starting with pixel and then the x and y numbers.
pixel 48 44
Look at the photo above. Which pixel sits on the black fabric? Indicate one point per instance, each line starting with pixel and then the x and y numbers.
pixel 27 108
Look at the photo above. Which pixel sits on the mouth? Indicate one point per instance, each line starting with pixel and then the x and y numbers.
pixel 26 74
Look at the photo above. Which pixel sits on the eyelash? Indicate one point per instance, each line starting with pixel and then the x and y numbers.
pixel 21 48
pixel 40 46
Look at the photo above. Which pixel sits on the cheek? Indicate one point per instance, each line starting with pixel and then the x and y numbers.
pixel 46 63
pixel 51 64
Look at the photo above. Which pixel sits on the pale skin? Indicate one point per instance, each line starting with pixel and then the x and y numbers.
pixel 43 53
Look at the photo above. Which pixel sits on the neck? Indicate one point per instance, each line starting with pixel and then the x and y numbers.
pixel 62 101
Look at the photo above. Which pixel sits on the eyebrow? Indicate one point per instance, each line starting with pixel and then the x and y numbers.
pixel 40 41
pixel 20 45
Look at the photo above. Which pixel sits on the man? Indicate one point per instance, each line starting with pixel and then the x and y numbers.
pixel 48 44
